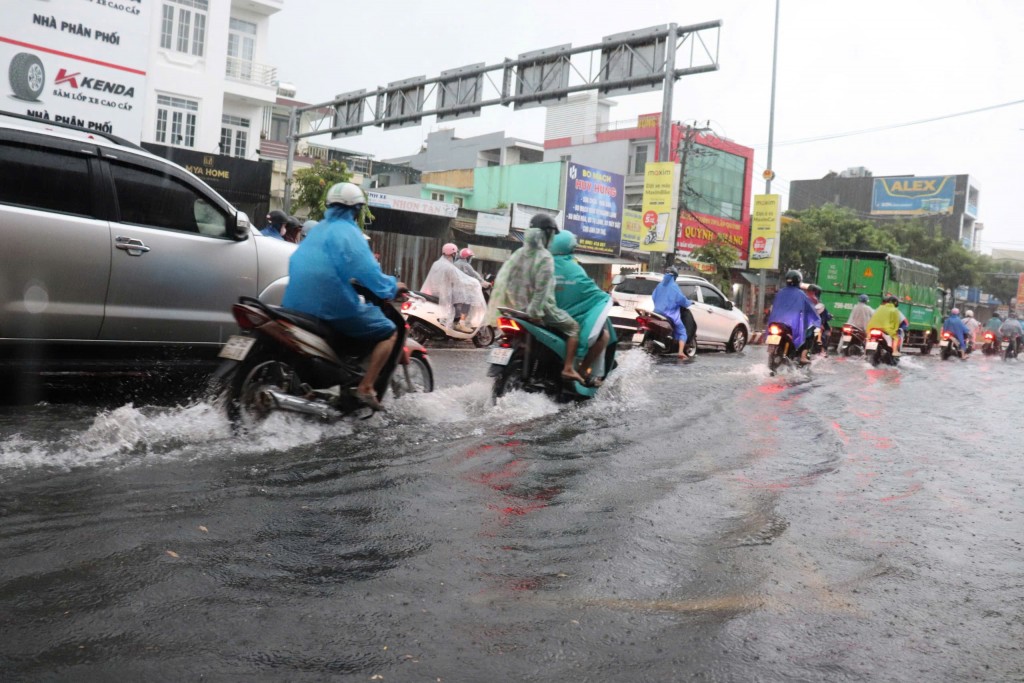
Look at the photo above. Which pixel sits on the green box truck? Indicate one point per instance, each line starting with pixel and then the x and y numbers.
pixel 845 274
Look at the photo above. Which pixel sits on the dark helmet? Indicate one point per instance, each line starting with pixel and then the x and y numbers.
pixel 814 288
pixel 545 223
pixel 793 278
pixel 891 299
pixel 672 270
pixel 277 218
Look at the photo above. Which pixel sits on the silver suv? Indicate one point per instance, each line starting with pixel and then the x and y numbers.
pixel 719 323
pixel 114 258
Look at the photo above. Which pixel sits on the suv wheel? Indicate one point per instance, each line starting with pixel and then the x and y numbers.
pixel 27 76
pixel 738 340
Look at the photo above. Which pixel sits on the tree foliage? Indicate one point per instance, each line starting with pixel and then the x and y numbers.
pixel 722 255
pixel 311 185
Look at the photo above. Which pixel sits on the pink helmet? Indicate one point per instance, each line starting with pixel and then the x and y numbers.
pixel 449 249
pixel 466 253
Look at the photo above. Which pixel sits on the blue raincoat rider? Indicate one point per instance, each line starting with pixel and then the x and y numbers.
pixel 955 326
pixel 792 307
pixel 319 284
pixel 669 300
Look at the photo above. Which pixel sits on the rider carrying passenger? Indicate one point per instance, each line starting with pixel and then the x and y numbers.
pixel 589 305
pixel 955 326
pixel 527 283
pixel 320 273
pixel 792 307
pixel 887 319
pixel 458 294
pixel 669 301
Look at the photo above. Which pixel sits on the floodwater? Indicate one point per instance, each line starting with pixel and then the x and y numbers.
pixel 701 521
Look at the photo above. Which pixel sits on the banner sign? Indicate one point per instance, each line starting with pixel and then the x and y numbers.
pixel 913 195
pixel 80 63
pixel 414 204
pixel 697 229
pixel 522 214
pixel 632 229
pixel 1020 295
pixel 494 224
pixel 593 208
pixel 659 207
pixel 764 232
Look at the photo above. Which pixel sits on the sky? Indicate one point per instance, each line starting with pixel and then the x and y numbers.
pixel 843 68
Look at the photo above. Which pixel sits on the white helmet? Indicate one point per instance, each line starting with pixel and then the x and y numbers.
pixel 346 194
pixel 969 313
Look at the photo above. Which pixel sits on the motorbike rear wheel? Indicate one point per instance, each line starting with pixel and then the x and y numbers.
pixel 774 359
pixel 246 404
pixel 510 379
pixel 945 353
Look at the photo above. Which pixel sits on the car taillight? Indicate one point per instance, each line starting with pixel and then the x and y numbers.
pixel 875 332
pixel 248 318
pixel 774 329
pixel 642 323
pixel 508 325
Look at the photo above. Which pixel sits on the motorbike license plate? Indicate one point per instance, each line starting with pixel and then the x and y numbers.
pixel 944 343
pixel 638 337
pixel 236 347
pixel 847 338
pixel 871 345
pixel 499 356
pixel 774 339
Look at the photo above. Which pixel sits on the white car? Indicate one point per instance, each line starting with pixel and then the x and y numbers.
pixel 719 323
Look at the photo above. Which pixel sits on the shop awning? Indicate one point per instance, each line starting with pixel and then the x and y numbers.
pixel 596 259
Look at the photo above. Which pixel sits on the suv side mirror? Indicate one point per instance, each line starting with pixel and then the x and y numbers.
pixel 241 228
pixel 729 305
pixel 617 279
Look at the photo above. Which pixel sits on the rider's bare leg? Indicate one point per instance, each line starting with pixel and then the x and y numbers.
pixel 595 352
pixel 378 358
pixel 572 344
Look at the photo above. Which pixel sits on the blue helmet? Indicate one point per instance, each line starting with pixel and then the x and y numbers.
pixel 863 298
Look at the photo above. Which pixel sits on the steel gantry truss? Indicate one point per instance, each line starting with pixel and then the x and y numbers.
pixel 621 64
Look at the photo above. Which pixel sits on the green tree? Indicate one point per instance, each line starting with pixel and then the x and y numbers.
pixel 801 243
pixel 999 278
pixel 722 255
pixel 312 184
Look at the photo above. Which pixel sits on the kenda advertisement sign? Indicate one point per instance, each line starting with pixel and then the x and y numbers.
pixel 593 208
pixel 81 62
pixel 913 196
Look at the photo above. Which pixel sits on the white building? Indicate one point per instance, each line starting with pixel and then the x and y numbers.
pixel 208 86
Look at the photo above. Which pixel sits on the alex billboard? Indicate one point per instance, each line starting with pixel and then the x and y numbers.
pixel 913 196
pixel 593 208
pixel 77 62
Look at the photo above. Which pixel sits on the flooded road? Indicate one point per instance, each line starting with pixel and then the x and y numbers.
pixel 701 521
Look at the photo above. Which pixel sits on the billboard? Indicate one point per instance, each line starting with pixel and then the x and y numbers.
pixel 697 229
pixel 632 230
pixel 593 208
pixel 660 203
pixel 765 229
pixel 82 63
pixel 913 196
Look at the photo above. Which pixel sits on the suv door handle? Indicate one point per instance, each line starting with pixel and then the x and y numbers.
pixel 131 244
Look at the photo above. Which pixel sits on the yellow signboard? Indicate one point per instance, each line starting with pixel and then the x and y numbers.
pixel 1020 295
pixel 764 232
pixel 660 206
pixel 632 229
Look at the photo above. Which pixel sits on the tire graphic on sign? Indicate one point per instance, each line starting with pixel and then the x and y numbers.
pixel 27 76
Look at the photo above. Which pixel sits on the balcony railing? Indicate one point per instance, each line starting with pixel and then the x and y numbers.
pixel 251 72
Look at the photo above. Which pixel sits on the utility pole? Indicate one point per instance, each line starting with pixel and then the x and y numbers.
pixel 762 279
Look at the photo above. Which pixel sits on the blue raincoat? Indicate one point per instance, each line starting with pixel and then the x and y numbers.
pixel 792 307
pixel 320 270
pixel 578 295
pixel 668 299
pixel 955 325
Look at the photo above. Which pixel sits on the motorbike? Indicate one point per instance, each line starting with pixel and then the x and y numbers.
pixel 655 333
pixel 948 346
pixel 427 321
pixel 851 342
pixel 289 361
pixel 781 349
pixel 990 345
pixel 879 348
pixel 529 357
pixel 1012 345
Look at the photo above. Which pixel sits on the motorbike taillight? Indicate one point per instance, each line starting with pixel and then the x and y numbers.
pixel 248 318
pixel 947 335
pixel 876 333
pixel 989 336
pixel 847 329
pixel 406 305
pixel 774 329
pixel 508 326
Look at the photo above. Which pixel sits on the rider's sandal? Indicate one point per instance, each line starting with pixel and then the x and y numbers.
pixel 368 400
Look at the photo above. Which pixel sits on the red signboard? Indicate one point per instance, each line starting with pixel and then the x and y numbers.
pixel 697 229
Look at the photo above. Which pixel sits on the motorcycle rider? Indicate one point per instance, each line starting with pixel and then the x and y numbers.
pixel 993 323
pixel 526 282
pixel 668 301
pixel 275 228
pixel 1012 329
pixel 458 294
pixel 861 313
pixel 973 325
pixel 320 273
pixel 955 326
pixel 589 305
pixel 792 307
pixel 464 263
pixel 814 293
pixel 887 319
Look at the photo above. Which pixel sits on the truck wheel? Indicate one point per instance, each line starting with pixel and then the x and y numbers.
pixel 27 76
pixel 926 349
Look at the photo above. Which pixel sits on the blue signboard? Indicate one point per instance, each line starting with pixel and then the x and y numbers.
pixel 593 208
pixel 912 196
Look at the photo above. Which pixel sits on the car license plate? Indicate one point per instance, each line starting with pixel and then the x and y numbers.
pixel 847 338
pixel 871 345
pixel 638 337
pixel 774 339
pixel 499 356
pixel 628 305
pixel 236 347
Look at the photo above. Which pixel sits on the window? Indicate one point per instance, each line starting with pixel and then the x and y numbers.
pixel 712 296
pixel 714 182
pixel 241 48
pixel 638 159
pixel 437 196
pixel 457 201
pixel 176 121
pixel 690 291
pixel 158 200
pixel 183 26
pixel 234 136
pixel 45 179
pixel 637 285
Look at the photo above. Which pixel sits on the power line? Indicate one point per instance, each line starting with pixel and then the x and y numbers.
pixel 876 129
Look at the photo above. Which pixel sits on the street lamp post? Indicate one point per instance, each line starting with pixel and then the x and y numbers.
pixel 769 174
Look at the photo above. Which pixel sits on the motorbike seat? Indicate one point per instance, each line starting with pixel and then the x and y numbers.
pixel 429 297
pixel 513 313
pixel 343 345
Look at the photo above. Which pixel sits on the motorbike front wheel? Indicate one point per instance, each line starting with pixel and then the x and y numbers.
pixel 420 379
